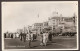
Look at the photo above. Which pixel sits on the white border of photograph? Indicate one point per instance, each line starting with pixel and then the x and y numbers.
pixel 43 2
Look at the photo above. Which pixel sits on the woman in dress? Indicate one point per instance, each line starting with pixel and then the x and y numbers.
pixel 45 38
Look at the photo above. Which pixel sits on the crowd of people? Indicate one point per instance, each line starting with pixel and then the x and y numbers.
pixel 43 38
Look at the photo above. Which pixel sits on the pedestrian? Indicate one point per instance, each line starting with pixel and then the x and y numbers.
pixel 41 39
pixel 27 36
pixel 50 36
pixel 4 35
pixel 24 37
pixel 17 35
pixel 45 38
pixel 29 40
pixel 21 36
pixel 31 36
pixel 11 35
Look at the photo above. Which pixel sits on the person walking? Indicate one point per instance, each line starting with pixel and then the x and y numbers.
pixel 27 36
pixel 29 39
pixel 41 39
pixel 31 36
pixel 24 37
pixel 50 36
pixel 4 35
pixel 45 38
pixel 21 36
pixel 11 35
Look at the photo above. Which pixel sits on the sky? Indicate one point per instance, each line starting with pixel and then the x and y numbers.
pixel 16 15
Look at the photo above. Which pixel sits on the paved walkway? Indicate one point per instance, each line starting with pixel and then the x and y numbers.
pixel 57 43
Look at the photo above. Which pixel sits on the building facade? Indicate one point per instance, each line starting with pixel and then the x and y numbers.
pixel 64 23
pixel 37 27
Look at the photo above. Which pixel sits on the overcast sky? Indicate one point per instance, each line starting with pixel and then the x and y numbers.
pixel 19 14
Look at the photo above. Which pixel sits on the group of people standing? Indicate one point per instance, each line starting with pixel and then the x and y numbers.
pixel 44 38
pixel 27 36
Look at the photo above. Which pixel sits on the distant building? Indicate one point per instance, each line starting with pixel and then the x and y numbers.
pixel 37 27
pixel 45 24
pixel 20 30
pixel 61 22
pixel 30 28
pixel 53 22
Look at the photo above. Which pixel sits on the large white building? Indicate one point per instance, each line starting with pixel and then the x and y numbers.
pixel 64 23
pixel 37 27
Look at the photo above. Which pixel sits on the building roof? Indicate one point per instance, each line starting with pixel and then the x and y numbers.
pixel 60 17
pixel 38 23
pixel 65 18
